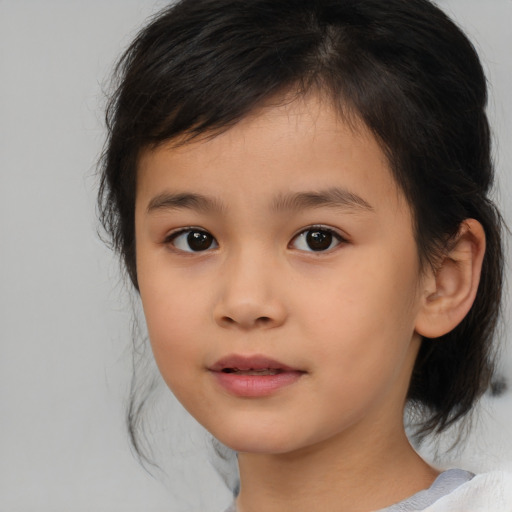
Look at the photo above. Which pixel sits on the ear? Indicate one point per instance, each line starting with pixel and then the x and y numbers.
pixel 450 289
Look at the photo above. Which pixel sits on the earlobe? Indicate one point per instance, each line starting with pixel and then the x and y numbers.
pixel 450 290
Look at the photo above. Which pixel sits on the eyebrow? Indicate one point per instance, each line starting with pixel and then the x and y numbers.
pixel 335 197
pixel 186 200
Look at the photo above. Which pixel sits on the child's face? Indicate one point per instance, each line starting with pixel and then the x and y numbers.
pixel 284 240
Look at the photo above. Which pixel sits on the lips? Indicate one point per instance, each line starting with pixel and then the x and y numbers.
pixel 252 371
pixel 253 376
pixel 237 363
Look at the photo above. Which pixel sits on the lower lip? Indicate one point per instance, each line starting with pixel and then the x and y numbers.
pixel 256 385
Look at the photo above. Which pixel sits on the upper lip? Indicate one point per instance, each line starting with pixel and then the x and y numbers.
pixel 254 362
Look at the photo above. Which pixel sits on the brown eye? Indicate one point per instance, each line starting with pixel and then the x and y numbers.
pixel 319 240
pixel 193 240
pixel 316 240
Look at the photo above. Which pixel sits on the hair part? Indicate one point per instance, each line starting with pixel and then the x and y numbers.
pixel 401 66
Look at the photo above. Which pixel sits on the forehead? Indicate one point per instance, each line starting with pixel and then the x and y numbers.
pixel 286 146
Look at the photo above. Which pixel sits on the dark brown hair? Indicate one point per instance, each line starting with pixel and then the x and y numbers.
pixel 401 66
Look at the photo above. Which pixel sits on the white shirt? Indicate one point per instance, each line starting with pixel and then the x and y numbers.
pixel 458 491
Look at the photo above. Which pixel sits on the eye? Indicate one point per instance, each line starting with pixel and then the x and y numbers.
pixel 316 239
pixel 192 240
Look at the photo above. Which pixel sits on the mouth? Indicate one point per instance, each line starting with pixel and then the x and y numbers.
pixel 253 376
pixel 251 365
pixel 253 371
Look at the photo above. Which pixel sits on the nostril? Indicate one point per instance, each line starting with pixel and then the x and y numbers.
pixel 261 321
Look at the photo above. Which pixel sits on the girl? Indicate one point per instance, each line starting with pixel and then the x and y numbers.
pixel 298 190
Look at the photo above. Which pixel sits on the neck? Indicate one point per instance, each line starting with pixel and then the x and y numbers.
pixel 339 475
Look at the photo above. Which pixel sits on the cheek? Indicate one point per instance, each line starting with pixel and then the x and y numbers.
pixel 365 317
pixel 175 322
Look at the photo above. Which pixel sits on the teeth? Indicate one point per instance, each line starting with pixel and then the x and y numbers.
pixel 263 371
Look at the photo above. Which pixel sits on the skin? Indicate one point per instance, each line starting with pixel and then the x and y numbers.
pixel 346 317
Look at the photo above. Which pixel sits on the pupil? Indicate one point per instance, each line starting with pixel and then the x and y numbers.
pixel 319 240
pixel 199 241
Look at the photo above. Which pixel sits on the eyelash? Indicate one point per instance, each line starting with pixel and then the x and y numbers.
pixel 172 237
pixel 335 236
pixel 207 240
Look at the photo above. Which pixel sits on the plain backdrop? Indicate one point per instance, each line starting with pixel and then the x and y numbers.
pixel 64 314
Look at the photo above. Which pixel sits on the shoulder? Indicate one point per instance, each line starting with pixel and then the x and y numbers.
pixel 483 493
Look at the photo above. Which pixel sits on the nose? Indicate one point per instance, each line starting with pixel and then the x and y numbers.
pixel 249 297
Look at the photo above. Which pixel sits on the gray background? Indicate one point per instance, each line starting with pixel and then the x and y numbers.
pixel 65 317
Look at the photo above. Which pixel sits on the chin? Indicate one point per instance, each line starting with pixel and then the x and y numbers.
pixel 258 442
pixel 285 443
